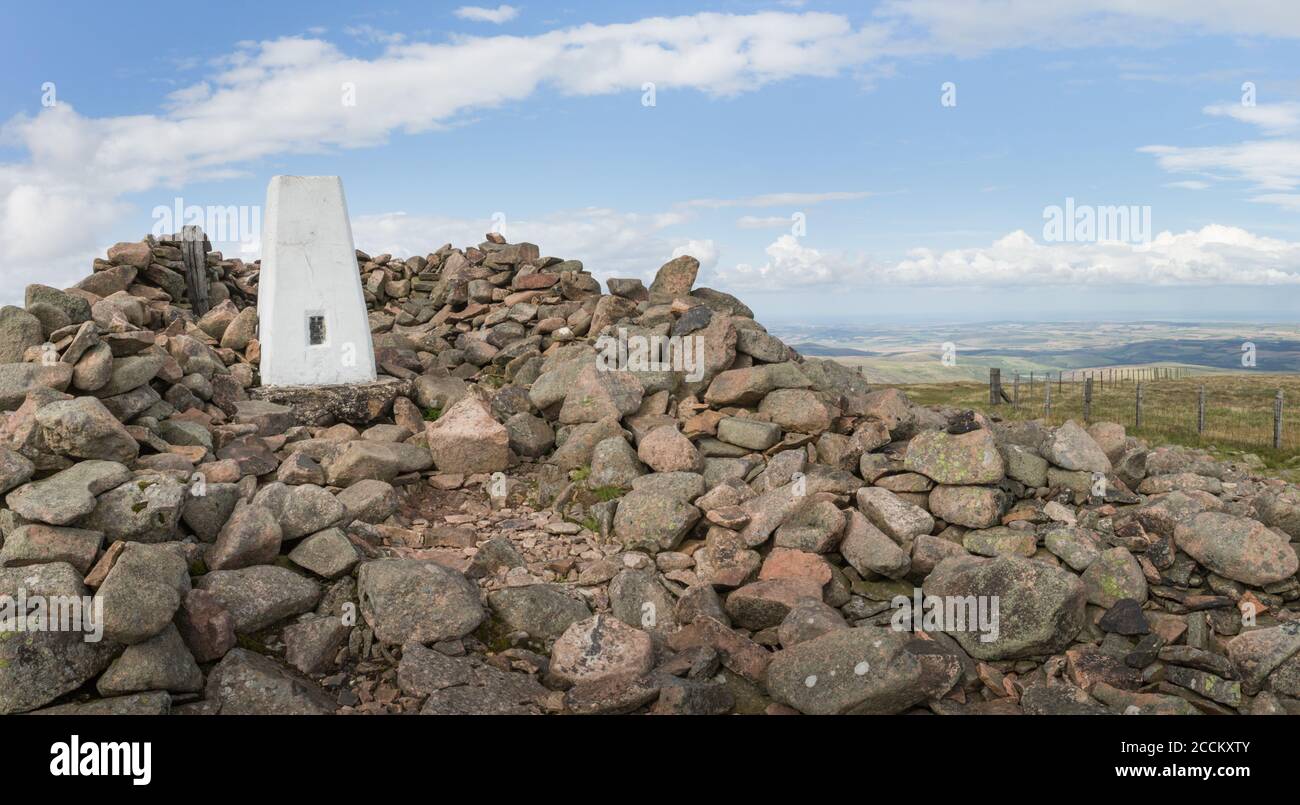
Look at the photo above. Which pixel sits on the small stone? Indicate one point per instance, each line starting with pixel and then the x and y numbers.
pixel 329 554
pixel 1125 617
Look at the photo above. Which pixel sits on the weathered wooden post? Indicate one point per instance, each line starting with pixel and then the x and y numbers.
pixel 195 256
pixel 1047 401
pixel 995 386
pixel 1087 400
pixel 1137 412
pixel 1200 411
pixel 1277 421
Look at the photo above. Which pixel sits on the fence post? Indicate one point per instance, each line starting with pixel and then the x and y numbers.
pixel 1137 412
pixel 1047 400
pixel 995 386
pixel 1277 421
pixel 1200 411
pixel 194 255
pixel 1087 400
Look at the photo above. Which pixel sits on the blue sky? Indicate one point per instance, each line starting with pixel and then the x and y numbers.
pixel 833 112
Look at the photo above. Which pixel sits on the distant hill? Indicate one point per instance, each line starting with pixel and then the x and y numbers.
pixel 1273 355
pixel 815 350
pixel 1207 354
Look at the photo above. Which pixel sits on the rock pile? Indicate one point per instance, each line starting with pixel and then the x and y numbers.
pixel 563 501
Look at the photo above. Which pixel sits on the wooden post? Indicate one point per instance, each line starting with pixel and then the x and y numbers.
pixel 1087 400
pixel 995 386
pixel 1137 411
pixel 1200 411
pixel 1060 380
pixel 1047 401
pixel 194 254
pixel 1277 421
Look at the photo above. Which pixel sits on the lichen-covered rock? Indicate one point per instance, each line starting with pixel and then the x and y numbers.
pixel 967 458
pixel 260 596
pixel 412 601
pixel 38 666
pixel 654 522
pixel 1241 549
pixel 543 611
pixel 244 683
pixel 867 670
pixel 1040 608
pixel 599 648
pixel 1071 448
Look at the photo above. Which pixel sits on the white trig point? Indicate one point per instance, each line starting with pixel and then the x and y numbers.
pixel 311 312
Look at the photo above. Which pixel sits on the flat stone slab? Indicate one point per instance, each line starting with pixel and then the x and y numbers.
pixel 355 404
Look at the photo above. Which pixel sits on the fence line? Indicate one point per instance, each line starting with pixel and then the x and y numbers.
pixel 1156 401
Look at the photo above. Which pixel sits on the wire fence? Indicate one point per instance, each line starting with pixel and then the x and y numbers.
pixel 1254 412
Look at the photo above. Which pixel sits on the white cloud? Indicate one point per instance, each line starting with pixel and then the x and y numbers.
pixel 373 35
pixel 1290 201
pixel 763 222
pixel 1270 166
pixel 1271 118
pixel 1212 255
pixel 285 96
pixel 1265 164
pixel 496 16
pixel 973 27
pixel 706 251
pixel 792 265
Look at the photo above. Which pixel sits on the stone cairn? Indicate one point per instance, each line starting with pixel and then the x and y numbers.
pixel 505 524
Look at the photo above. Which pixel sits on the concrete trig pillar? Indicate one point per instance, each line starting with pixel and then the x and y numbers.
pixel 311 311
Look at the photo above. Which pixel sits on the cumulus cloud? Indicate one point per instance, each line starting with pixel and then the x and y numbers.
pixel 706 251
pixel 1212 255
pixel 496 16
